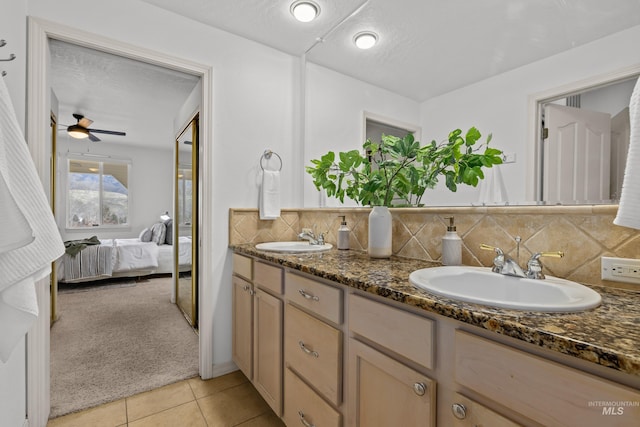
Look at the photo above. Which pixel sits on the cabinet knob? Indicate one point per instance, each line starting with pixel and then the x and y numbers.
pixel 307 295
pixel 420 389
pixel 303 421
pixel 459 411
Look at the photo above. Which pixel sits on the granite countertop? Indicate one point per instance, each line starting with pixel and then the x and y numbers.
pixel 608 335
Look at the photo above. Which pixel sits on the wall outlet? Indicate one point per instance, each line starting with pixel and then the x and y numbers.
pixel 620 269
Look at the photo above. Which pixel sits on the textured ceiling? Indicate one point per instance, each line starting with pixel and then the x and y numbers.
pixel 427 47
pixel 118 94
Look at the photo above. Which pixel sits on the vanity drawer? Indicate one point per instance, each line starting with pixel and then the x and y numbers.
pixel 303 406
pixel 268 277
pixel 324 300
pixel 541 390
pixel 313 349
pixel 243 266
pixel 406 334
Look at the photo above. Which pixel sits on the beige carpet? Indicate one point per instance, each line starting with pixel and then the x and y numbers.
pixel 115 340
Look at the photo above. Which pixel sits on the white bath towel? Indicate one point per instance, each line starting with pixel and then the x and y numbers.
pixel 270 195
pixel 629 209
pixel 35 240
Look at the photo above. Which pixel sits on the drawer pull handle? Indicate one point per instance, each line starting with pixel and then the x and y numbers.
pixel 459 411
pixel 247 288
pixel 308 295
pixel 306 350
pixel 420 389
pixel 303 421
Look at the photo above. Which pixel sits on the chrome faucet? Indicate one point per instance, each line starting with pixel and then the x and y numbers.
pixel 309 234
pixel 504 264
pixel 534 267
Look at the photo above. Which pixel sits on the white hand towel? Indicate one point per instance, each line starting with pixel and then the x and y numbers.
pixel 35 240
pixel 492 188
pixel 629 209
pixel 270 195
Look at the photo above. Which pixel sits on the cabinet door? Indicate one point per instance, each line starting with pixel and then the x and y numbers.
pixel 242 319
pixel 384 392
pixel 468 413
pixel 267 345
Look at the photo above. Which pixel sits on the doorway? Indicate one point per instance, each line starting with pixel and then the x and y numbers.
pixel 38 111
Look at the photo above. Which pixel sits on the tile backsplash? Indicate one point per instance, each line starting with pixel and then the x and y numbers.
pixel 583 233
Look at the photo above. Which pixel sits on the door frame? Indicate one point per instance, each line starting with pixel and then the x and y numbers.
pixel 534 134
pixel 37 135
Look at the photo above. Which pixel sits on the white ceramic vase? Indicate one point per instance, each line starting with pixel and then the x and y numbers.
pixel 379 232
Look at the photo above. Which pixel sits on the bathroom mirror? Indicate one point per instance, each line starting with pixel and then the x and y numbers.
pixel 185 249
pixel 583 140
pixel 334 106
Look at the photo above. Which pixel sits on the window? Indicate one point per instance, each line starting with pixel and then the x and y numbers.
pixel 97 193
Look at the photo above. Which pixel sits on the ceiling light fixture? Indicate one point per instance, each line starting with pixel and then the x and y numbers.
pixel 365 39
pixel 305 10
pixel 77 132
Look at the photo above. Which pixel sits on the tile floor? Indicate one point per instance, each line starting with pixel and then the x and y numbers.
pixel 229 400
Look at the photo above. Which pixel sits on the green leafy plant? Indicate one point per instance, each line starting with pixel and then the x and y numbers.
pixel 397 171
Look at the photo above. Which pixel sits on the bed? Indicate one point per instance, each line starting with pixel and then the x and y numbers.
pixel 122 258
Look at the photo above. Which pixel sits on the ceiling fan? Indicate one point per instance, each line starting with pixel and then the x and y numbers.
pixel 81 129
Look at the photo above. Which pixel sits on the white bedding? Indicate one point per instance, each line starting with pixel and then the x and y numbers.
pixel 132 254
pixel 131 257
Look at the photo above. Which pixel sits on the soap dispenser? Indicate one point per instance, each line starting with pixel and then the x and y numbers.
pixel 451 245
pixel 343 234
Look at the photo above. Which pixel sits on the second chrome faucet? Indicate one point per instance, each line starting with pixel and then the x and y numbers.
pixel 504 264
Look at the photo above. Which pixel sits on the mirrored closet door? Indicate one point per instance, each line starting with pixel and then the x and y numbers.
pixel 185 230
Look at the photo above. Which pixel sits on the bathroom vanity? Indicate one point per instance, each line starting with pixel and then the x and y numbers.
pixel 339 339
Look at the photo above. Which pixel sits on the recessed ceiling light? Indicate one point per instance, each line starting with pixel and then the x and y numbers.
pixel 305 11
pixel 365 39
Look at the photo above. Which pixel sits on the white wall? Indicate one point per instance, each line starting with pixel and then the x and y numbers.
pixel 252 93
pixel 335 106
pixel 610 99
pixel 499 105
pixel 13 29
pixel 150 185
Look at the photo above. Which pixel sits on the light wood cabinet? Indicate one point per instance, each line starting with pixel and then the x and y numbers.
pixel 539 389
pixel 267 348
pixel 257 322
pixel 469 413
pixel 304 407
pixel 322 354
pixel 314 350
pixel 384 392
pixel 242 319
pixel 401 332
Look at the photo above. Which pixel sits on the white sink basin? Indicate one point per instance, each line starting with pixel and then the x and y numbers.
pixel 482 286
pixel 293 247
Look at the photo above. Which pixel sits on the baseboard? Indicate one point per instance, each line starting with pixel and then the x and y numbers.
pixel 223 368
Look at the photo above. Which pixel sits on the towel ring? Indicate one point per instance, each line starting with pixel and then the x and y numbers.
pixel 267 155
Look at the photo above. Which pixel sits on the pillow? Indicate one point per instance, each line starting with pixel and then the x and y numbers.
pixel 158 233
pixel 169 237
pixel 145 235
